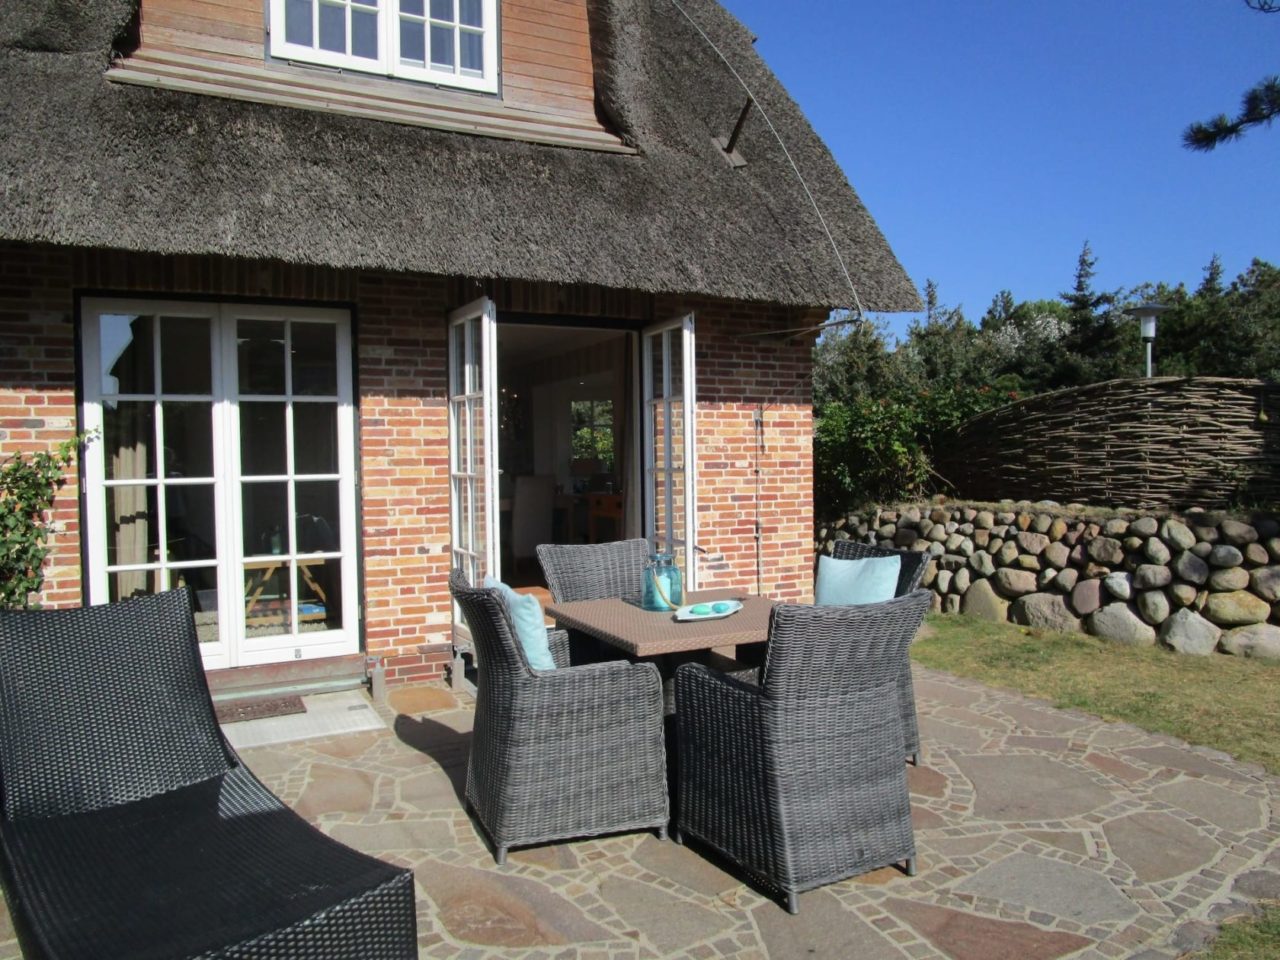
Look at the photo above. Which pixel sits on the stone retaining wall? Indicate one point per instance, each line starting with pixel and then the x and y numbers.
pixel 1196 583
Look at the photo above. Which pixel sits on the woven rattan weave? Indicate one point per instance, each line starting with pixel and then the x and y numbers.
pixel 909 574
pixel 130 826
pixel 572 752
pixel 800 781
pixel 593 571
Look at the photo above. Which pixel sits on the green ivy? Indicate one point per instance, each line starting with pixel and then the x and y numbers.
pixel 28 485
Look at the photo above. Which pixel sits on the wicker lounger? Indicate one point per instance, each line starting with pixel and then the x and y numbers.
pixel 131 828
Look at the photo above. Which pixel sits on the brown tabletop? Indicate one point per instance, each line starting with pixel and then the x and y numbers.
pixel 644 633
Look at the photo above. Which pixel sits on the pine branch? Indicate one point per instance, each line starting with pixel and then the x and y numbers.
pixel 1260 105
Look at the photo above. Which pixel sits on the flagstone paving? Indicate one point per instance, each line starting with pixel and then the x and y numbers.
pixel 1042 834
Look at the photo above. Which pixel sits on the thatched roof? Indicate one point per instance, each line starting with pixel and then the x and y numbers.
pixel 92 163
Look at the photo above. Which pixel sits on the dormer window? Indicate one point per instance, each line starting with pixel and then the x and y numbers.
pixel 450 42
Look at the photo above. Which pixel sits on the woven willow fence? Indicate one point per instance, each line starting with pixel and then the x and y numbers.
pixel 1166 442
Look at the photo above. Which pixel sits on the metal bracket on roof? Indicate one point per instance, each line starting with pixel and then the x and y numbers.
pixel 729 145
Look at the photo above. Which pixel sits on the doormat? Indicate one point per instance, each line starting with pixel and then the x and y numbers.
pixel 234 711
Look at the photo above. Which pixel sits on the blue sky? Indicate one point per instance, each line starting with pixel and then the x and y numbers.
pixel 991 138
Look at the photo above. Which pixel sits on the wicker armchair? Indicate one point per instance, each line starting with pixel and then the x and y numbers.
pixel 912 569
pixel 573 752
pixel 594 571
pixel 800 781
pixel 130 827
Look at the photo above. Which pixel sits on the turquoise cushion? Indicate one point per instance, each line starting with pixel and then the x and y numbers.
pixel 524 613
pixel 868 580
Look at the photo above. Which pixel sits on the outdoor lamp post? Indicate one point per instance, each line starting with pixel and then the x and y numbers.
pixel 1146 314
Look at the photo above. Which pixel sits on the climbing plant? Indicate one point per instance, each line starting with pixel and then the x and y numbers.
pixel 28 485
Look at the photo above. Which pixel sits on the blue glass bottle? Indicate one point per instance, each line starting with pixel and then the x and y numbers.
pixel 663 583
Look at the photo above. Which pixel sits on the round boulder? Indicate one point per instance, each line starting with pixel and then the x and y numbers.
pixel 1236 533
pixel 1144 527
pixel 981 600
pixel 1154 607
pixel 1032 543
pixel 1177 534
pixel 1229 578
pixel 1057 555
pixel 1182 594
pixel 1106 550
pixel 1045 610
pixel 1119 585
pixel 1225 555
pixel 1014 583
pixel 1260 640
pixel 1191 568
pixel 1236 609
pixel 1086 596
pixel 1120 622
pixel 1156 551
pixel 1188 632
pixel 1065 579
pixel 1265 582
pixel 1151 576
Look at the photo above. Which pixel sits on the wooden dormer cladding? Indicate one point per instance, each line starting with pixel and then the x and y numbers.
pixel 217 47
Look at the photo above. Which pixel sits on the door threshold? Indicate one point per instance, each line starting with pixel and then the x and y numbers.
pixel 322 675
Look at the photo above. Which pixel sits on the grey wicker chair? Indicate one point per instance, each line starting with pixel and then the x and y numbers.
pixel 130 827
pixel 800 781
pixel 594 571
pixel 909 574
pixel 573 752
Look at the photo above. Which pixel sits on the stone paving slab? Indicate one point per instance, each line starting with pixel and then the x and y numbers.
pixel 1041 834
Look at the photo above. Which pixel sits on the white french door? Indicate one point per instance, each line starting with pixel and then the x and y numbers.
pixel 670 456
pixel 224 460
pixel 473 440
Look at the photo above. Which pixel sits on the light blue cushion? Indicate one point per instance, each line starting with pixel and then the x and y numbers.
pixel 868 580
pixel 524 613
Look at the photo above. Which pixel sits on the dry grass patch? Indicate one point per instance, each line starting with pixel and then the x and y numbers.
pixel 1219 701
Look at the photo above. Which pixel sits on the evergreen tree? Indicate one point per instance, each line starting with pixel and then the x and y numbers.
pixel 1259 105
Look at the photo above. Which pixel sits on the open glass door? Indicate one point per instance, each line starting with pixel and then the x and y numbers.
pixel 670 461
pixel 473 440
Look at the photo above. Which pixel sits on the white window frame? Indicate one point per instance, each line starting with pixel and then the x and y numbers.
pixel 673 335
pixel 234 647
pixel 388 61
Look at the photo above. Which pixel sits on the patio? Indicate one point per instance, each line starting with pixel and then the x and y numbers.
pixel 1041 834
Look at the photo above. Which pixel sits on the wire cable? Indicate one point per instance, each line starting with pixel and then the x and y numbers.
pixel 857 302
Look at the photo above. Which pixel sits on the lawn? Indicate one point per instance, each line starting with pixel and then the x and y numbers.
pixel 1218 701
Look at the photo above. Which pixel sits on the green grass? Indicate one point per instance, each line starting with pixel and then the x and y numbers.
pixel 1220 701
pixel 1253 939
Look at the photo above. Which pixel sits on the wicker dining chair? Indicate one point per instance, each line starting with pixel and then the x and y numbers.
pixel 909 574
pixel 800 781
pixel 131 828
pixel 594 571
pixel 571 752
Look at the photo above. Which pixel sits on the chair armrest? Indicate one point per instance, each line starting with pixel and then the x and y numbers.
pixel 558 641
pixel 613 688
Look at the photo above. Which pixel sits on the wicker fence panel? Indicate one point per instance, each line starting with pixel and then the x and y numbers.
pixel 1165 442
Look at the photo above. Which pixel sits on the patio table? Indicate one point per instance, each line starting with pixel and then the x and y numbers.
pixel 648 633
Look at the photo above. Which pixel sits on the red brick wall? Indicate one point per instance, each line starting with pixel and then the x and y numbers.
pixel 739 377
pixel 37 391
pixel 401 356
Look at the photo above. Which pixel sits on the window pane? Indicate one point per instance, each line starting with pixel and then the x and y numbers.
pixel 128 436
pixel 185 355
pixel 318 517
pixel 442 10
pixel 412 8
pixel 364 33
pixel 297 22
pixel 315 359
pixel 315 438
pixel 442 47
pixel 266 597
pixel 204 581
pixel 133 583
pixel 367 3
pixel 333 28
pixel 128 363
pixel 133 532
pixel 260 344
pixel 470 12
pixel 319 594
pixel 266 514
pixel 188 438
pixel 262 443
pixel 189 522
pixel 413 42
pixel 458 364
pixel 472 53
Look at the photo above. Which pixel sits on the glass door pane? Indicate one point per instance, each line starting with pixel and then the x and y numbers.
pixel 473 440
pixel 669 452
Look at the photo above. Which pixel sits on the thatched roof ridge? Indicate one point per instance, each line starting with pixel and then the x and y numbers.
pixel 92 163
